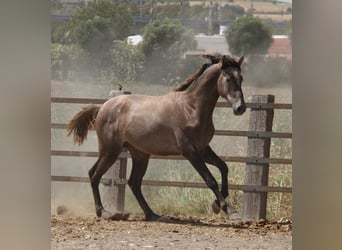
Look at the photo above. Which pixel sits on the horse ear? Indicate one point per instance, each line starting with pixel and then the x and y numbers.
pixel 240 60
pixel 222 62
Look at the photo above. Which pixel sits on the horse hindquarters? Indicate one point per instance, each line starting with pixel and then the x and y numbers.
pixel 109 149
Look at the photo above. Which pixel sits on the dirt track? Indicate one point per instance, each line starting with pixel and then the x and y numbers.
pixel 70 232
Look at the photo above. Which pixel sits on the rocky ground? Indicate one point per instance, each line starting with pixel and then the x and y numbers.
pixel 88 232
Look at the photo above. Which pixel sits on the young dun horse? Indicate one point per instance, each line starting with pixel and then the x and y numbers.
pixel 177 123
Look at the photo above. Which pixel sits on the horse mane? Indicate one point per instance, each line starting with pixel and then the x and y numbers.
pixel 214 59
pixel 183 86
pixel 224 60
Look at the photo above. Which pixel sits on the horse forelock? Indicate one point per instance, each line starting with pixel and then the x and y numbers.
pixel 229 62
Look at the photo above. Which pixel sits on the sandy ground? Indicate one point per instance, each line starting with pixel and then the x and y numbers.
pixel 71 232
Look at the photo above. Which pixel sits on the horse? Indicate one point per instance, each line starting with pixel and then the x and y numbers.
pixel 176 123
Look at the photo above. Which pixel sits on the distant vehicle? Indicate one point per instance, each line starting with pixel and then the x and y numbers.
pixel 134 40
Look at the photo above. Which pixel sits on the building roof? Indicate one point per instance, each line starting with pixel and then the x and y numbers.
pixel 212 44
pixel 281 46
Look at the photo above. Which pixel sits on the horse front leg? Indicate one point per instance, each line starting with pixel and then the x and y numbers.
pixel 195 158
pixel 209 156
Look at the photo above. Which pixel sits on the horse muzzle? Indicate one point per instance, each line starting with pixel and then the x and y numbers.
pixel 238 103
pixel 239 109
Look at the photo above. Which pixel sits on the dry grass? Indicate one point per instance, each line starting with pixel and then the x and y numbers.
pixel 262 6
pixel 264 10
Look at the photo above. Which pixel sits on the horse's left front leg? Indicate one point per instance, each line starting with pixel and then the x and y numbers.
pixel 209 156
pixel 195 158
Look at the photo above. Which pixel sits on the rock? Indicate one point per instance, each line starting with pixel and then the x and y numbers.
pixel 62 210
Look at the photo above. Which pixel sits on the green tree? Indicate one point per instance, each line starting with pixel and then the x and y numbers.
pixel 68 58
pixel 164 44
pixel 249 36
pixel 126 65
pixel 95 27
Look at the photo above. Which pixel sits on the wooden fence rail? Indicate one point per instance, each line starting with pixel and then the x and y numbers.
pixel 257 160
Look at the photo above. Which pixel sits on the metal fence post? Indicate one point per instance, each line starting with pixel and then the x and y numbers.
pixel 255 203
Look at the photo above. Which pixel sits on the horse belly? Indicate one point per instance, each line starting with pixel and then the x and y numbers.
pixel 152 140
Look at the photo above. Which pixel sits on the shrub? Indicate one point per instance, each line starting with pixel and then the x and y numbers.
pixel 268 72
pixel 248 35
pixel 66 59
pixel 164 44
pixel 126 63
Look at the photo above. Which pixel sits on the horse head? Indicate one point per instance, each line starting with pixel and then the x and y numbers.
pixel 229 83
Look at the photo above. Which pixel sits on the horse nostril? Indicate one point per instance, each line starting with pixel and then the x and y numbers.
pixel 240 109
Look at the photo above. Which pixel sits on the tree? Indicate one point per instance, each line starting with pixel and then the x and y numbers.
pixel 249 36
pixel 127 63
pixel 95 27
pixel 67 58
pixel 164 43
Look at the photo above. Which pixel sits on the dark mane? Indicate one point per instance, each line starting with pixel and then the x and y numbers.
pixel 214 59
pixel 183 86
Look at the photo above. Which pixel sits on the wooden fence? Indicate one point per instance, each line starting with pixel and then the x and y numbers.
pixel 257 161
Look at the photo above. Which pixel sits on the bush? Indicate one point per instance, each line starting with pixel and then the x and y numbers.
pixel 268 72
pixel 94 28
pixel 248 35
pixel 126 63
pixel 164 44
pixel 66 59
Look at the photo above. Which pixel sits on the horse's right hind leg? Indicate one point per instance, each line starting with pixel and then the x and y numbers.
pixel 104 162
pixel 139 166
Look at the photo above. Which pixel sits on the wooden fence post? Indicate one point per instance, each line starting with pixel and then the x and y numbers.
pixel 114 193
pixel 255 203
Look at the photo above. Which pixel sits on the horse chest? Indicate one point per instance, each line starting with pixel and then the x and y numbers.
pixel 201 136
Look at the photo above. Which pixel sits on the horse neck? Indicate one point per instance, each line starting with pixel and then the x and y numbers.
pixel 204 93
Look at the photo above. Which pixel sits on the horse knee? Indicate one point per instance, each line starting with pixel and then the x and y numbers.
pixel 94 182
pixel 212 184
pixel 133 185
pixel 91 173
pixel 130 183
pixel 224 169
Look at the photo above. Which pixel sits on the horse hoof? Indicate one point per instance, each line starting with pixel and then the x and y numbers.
pixel 215 206
pixel 234 217
pixel 156 217
pixel 106 214
pixel 119 216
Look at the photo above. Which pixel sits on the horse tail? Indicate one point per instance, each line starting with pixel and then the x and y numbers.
pixel 81 123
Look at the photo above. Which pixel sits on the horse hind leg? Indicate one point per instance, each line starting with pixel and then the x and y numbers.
pixel 104 162
pixel 139 167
